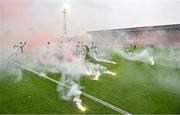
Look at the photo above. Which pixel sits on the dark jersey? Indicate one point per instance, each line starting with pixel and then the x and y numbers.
pixel 87 49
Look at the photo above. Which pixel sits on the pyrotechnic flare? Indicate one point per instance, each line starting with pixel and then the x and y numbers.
pixel 73 90
pixel 79 104
pixel 96 70
pixel 110 72
pixel 75 93
pixel 97 75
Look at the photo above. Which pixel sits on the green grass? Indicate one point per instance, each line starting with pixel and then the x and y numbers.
pixel 34 95
pixel 137 88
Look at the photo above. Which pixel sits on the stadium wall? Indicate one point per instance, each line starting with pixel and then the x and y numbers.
pixel 151 36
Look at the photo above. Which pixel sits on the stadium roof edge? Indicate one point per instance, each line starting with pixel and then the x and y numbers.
pixel 160 27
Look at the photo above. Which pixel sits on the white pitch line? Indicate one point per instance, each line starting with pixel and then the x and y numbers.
pixel 117 109
pixel 35 72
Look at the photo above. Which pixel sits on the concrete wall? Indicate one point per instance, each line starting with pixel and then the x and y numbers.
pixel 154 36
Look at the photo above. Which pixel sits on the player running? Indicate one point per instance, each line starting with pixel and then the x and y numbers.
pixel 18 49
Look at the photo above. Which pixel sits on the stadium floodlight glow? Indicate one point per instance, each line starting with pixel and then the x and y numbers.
pixel 66 9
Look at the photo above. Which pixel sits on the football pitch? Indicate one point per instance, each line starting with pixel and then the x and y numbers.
pixel 138 88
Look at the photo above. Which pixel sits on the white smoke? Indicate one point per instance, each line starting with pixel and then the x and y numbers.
pixel 50 58
pixel 168 57
pixel 144 55
pixel 9 70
